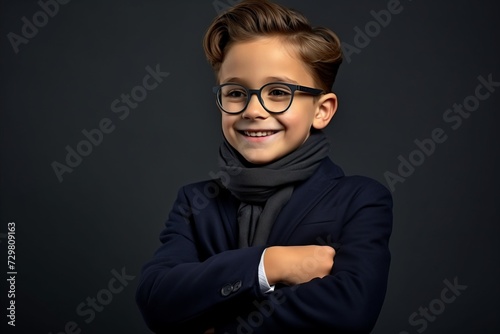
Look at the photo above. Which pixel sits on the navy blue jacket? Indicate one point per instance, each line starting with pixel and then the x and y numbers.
pixel 199 279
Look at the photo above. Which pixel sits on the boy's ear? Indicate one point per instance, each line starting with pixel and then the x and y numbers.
pixel 326 108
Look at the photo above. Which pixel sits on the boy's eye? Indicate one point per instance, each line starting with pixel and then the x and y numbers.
pixel 236 94
pixel 279 92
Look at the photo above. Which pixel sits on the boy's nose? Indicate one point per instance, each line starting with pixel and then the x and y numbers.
pixel 254 109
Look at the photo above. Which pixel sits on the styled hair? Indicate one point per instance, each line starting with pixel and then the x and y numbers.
pixel 318 47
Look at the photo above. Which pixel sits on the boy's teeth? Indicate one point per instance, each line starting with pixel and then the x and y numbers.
pixel 258 133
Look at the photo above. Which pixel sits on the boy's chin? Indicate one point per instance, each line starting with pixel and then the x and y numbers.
pixel 263 159
pixel 265 156
pixel 258 161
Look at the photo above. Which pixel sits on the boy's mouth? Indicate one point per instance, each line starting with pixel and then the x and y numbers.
pixel 259 133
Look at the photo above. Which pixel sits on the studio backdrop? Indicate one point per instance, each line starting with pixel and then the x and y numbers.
pixel 106 109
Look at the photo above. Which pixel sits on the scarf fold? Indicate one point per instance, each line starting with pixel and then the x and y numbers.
pixel 264 189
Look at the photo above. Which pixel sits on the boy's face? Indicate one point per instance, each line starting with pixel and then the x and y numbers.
pixel 254 64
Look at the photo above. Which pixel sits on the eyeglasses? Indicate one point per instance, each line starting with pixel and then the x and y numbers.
pixel 275 97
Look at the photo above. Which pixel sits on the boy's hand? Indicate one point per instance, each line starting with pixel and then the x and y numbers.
pixel 297 264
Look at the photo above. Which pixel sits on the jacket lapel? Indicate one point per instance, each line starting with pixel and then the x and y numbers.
pixel 303 199
pixel 228 209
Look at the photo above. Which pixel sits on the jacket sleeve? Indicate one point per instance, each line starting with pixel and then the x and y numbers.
pixel 178 292
pixel 348 300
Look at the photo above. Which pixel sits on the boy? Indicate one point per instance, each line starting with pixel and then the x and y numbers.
pixel 258 256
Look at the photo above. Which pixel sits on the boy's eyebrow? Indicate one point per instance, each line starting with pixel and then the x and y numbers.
pixel 282 79
pixel 233 79
pixel 267 80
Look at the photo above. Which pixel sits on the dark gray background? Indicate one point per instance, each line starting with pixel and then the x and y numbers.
pixel 108 212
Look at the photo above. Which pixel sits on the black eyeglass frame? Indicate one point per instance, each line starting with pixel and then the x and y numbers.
pixel 250 92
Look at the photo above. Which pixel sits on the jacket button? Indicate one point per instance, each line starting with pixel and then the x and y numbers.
pixel 236 286
pixel 226 290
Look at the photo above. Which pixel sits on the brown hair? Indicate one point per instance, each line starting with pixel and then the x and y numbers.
pixel 319 48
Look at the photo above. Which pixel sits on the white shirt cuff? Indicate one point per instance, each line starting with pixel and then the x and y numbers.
pixel 264 284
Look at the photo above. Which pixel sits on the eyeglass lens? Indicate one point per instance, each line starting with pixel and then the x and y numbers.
pixel 275 97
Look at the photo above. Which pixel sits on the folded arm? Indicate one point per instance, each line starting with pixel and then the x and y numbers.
pixel 178 290
pixel 349 298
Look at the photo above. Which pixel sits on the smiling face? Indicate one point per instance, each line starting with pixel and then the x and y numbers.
pixel 261 137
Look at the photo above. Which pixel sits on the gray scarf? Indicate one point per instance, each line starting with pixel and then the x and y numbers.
pixel 264 189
